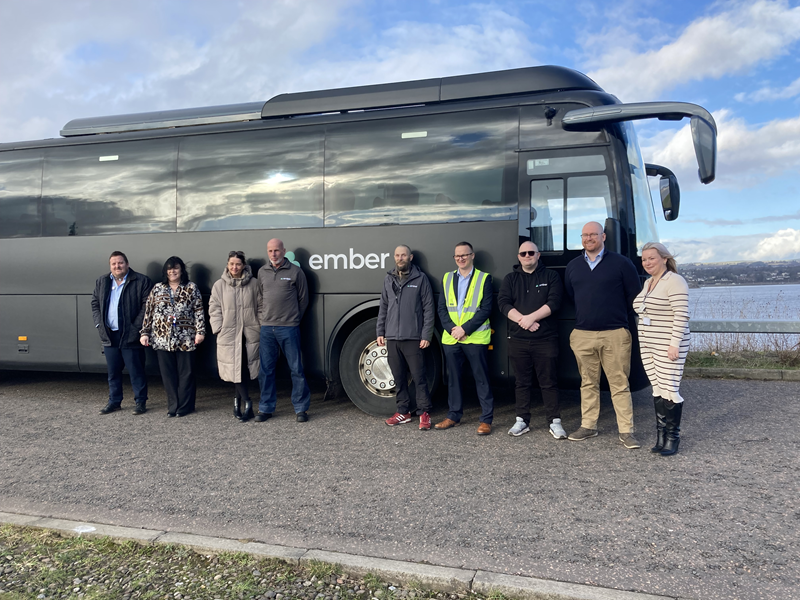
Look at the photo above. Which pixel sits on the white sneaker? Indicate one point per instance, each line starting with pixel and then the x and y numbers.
pixel 519 427
pixel 557 430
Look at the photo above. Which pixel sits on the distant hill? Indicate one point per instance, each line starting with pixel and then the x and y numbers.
pixel 741 273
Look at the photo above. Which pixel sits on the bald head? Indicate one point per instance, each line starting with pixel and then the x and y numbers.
pixel 276 252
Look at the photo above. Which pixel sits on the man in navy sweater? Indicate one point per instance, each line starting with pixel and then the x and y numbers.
pixel 603 285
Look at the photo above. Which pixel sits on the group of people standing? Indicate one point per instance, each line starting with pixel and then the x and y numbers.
pixel 254 318
pixel 257 318
pixel 604 286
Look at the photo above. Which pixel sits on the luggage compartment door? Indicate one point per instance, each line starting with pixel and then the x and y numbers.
pixel 39 333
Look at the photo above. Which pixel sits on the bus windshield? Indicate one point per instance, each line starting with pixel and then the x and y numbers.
pixel 644 214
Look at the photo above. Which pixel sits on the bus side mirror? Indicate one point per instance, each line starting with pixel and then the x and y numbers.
pixel 669 190
pixel 705 148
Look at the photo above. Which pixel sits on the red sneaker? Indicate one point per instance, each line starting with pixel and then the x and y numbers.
pixel 424 421
pixel 399 419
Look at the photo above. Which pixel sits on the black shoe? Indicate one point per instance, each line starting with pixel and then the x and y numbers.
pixel 171 414
pixel 237 407
pixel 261 417
pixel 110 408
pixel 302 417
pixel 248 410
pixel 140 409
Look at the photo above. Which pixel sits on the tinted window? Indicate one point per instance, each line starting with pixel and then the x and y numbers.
pixel 646 230
pixel 20 189
pixel 588 199
pixel 547 214
pixel 537 131
pixel 254 180
pixel 126 187
pixel 441 168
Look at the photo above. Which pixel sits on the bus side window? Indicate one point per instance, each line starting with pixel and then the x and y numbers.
pixel 109 188
pixel 20 192
pixel 437 169
pixel 253 180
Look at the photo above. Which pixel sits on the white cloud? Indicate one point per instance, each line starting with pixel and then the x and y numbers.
pixel 149 55
pixel 746 155
pixel 710 47
pixel 783 244
pixel 766 94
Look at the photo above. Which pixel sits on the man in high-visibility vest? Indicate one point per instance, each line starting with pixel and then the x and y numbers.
pixel 464 309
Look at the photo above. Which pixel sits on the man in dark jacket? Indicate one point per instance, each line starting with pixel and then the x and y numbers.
pixel 465 306
pixel 282 300
pixel 405 327
pixel 603 284
pixel 529 296
pixel 118 304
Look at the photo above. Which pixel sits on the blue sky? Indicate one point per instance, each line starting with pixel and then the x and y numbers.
pixel 740 60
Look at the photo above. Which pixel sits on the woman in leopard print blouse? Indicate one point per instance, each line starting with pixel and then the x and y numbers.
pixel 174 325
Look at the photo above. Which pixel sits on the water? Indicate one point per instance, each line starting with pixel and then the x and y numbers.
pixel 778 302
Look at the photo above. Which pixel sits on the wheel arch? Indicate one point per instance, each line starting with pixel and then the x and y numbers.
pixel 347 323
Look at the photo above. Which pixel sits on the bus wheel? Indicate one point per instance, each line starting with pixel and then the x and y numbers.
pixel 366 376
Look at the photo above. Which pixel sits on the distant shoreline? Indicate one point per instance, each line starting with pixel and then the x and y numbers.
pixel 696 286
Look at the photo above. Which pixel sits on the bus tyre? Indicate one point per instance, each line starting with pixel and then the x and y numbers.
pixel 366 376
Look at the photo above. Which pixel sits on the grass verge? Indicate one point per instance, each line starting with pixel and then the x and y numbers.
pixel 43 564
pixel 745 359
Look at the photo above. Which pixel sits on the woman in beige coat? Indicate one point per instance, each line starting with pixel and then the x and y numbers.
pixel 233 312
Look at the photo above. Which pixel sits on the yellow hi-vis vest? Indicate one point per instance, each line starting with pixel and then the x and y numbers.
pixel 483 334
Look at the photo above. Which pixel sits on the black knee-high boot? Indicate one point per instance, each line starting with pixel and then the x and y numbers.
pixel 674 411
pixel 661 424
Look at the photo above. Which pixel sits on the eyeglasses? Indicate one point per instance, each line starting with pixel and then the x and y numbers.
pixel 528 253
pixel 462 256
pixel 585 236
pixel 236 254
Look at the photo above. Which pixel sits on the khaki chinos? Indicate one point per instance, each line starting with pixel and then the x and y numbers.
pixel 611 351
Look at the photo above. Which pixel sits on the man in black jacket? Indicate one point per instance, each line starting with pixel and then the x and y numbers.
pixel 118 304
pixel 405 327
pixel 529 296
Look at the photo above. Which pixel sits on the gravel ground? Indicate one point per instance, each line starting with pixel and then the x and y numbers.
pixel 43 565
pixel 718 520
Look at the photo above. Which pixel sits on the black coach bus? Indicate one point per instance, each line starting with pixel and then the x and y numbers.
pixel 342 176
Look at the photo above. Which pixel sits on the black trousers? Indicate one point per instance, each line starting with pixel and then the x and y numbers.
pixel 405 356
pixel 177 373
pixel 477 355
pixel 539 357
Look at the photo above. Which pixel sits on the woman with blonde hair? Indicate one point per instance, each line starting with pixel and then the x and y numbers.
pixel 663 308
pixel 233 313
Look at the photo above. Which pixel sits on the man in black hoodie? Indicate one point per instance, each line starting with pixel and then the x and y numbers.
pixel 529 296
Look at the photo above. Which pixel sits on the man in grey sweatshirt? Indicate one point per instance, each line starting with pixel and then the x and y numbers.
pixel 282 300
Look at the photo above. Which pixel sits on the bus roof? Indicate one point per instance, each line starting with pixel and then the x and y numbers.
pixel 426 91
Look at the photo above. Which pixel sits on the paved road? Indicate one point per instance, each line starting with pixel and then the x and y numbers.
pixel 719 520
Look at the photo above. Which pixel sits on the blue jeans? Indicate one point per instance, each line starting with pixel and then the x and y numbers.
pixel 117 359
pixel 273 341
